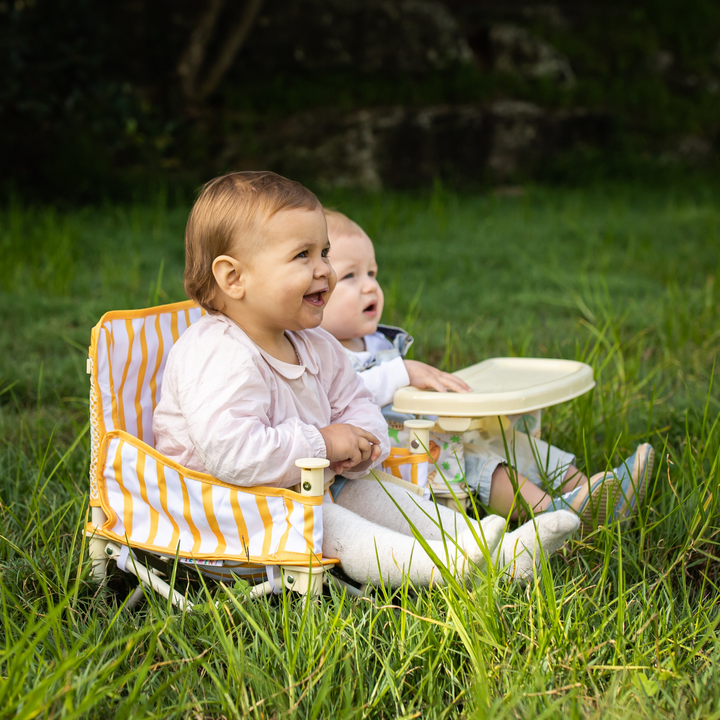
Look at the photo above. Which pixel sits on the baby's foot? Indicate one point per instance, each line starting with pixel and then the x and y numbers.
pixel 632 475
pixel 625 485
pixel 493 528
pixel 519 551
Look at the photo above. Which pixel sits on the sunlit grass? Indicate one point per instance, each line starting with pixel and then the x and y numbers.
pixel 623 623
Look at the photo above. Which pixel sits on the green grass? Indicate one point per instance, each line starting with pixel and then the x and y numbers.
pixel 622 624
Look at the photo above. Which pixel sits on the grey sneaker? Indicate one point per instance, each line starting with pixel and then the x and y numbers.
pixel 589 501
pixel 632 476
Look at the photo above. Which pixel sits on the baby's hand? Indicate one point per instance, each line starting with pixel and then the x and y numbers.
pixel 426 376
pixel 349 447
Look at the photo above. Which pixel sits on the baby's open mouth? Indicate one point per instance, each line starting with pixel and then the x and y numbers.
pixel 371 309
pixel 315 298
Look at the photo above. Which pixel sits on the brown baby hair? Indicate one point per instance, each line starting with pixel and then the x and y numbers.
pixel 227 217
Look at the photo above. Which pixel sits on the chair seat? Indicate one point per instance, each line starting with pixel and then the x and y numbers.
pixel 157 505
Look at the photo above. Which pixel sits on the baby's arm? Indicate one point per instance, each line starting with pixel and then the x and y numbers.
pixel 384 379
pixel 426 376
pixel 352 404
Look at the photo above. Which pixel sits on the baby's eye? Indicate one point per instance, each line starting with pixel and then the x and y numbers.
pixel 302 254
pixel 349 276
pixel 326 252
pixel 373 273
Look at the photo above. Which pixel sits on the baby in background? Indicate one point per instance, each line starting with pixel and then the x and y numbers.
pixel 377 353
pixel 256 384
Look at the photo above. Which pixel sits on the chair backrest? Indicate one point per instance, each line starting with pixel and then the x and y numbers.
pixel 128 353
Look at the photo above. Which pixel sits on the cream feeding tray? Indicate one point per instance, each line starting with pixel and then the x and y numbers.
pixel 500 387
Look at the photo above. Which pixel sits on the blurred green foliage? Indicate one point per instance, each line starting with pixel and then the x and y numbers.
pixel 470 275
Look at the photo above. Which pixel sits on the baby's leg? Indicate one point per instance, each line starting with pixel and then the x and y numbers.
pixel 538 466
pixel 370 500
pixel 371 553
pixel 374 502
pixel 502 491
pixel 489 474
pixel 546 466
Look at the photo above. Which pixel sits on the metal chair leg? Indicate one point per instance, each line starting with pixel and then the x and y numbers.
pixel 149 577
pixel 137 595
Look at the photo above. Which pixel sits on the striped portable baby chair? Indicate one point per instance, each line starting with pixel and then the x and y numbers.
pixel 145 507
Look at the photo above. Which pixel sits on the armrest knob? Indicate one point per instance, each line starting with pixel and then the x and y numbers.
pixel 419 440
pixel 312 477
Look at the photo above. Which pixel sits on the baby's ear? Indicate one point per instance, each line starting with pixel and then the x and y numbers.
pixel 228 276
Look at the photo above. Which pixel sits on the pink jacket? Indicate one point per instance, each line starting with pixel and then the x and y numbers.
pixel 233 411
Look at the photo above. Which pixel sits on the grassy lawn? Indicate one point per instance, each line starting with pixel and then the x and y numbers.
pixel 623 623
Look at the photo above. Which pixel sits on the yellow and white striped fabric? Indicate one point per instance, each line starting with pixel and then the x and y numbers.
pixel 411 467
pixel 160 506
pixel 131 350
pixel 157 505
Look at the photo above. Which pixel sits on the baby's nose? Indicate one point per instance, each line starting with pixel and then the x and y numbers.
pixel 322 269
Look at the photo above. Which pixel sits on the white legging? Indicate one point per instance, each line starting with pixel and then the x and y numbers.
pixel 367 532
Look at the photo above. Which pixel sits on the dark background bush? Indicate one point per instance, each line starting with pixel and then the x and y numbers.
pixel 92 105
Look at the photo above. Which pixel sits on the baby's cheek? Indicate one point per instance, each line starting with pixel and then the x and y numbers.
pixel 337 306
pixel 380 303
pixel 332 279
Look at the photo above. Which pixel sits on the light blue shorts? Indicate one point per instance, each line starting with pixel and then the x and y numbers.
pixel 542 464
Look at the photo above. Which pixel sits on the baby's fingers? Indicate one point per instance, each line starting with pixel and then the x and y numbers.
pixel 365 449
pixel 435 382
pixel 355 458
pixel 368 436
pixel 453 382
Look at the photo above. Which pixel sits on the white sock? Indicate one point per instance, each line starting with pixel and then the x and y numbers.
pixel 519 552
pixel 379 504
pixel 369 552
pixel 493 528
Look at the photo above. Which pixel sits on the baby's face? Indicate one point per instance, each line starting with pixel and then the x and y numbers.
pixel 289 278
pixel 357 303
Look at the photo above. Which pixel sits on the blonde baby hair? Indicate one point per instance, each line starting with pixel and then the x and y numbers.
pixel 339 224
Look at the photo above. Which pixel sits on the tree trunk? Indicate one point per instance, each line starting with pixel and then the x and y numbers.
pixel 193 58
pixel 197 85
